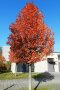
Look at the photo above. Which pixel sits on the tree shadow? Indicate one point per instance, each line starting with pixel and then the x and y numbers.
pixel 4 71
pixel 42 77
pixel 9 87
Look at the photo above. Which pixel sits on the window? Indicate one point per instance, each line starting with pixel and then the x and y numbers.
pixel 51 61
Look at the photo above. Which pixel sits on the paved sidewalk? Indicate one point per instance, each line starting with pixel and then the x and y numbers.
pixel 51 80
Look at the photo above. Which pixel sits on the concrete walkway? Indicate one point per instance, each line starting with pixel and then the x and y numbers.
pixel 50 80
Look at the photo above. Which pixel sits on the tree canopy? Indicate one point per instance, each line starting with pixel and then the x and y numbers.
pixel 30 39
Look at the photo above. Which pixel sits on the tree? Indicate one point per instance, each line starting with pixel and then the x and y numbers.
pixel 0 50
pixel 30 38
pixel 2 63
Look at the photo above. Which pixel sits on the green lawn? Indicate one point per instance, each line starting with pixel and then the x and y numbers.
pixel 10 75
pixel 39 88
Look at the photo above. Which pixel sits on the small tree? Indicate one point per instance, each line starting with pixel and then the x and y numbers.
pixel 2 63
pixel 8 65
pixel 30 38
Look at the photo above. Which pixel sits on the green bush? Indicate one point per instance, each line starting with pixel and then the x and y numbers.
pixel 8 65
pixel 2 67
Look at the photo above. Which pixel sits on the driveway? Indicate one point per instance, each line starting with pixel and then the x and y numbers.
pixel 50 80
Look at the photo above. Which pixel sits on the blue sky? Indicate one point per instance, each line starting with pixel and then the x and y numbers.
pixel 9 10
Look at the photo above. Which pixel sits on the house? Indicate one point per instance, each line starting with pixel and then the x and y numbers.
pixel 51 64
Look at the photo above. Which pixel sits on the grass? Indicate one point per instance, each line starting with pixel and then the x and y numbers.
pixel 39 88
pixel 43 89
pixel 10 75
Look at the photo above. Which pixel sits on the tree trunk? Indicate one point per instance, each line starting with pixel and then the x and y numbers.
pixel 30 78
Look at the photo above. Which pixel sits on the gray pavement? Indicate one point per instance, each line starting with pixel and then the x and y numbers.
pixel 51 80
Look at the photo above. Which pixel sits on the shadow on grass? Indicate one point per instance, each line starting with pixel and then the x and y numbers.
pixel 4 71
pixel 43 77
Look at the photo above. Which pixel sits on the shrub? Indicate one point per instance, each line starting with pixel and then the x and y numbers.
pixel 2 63
pixel 8 65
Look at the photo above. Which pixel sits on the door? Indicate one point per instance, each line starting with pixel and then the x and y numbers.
pixel 19 67
pixel 59 66
pixel 24 68
pixel 50 65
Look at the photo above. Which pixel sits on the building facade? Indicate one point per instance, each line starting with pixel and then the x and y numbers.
pixel 51 64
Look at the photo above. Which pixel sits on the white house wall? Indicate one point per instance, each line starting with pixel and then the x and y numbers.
pixel 55 56
pixel 13 67
pixel 56 61
pixel 41 66
pixel 5 52
pixel 56 67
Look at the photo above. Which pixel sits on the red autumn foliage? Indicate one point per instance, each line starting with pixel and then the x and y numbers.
pixel 30 38
pixel 2 58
